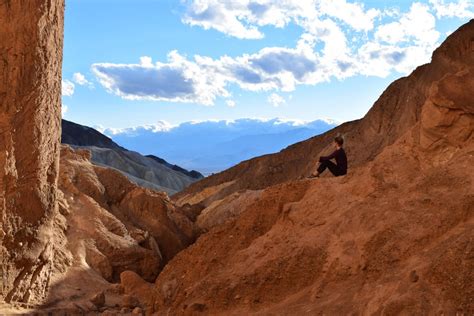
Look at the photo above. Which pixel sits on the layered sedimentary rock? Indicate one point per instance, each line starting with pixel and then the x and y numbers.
pixel 31 34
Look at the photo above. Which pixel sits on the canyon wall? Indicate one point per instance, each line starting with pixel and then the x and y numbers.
pixel 31 44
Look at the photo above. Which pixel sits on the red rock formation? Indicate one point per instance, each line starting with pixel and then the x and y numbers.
pixel 31 42
pixel 114 231
pixel 394 236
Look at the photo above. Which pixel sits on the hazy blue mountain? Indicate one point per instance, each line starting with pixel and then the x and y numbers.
pixel 212 146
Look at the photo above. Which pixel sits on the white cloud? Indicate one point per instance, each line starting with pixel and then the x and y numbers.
pixel 352 14
pixel 64 109
pixel 230 103
pixel 159 127
pixel 80 79
pixel 67 88
pixel 380 43
pixel 224 16
pixel 460 9
pixel 204 79
pixel 244 124
pixel 276 100
pixel 178 80
pixel 418 25
pixel 244 18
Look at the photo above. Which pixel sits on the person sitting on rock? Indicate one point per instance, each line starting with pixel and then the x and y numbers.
pixel 340 167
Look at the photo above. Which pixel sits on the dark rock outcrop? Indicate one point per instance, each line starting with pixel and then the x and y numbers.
pixel 80 135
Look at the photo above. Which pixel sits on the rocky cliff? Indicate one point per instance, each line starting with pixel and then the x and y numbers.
pixel 31 43
pixel 110 226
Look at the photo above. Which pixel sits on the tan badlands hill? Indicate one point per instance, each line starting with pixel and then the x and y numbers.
pixel 394 236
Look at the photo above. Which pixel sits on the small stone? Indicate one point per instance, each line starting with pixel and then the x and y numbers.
pixel 98 299
pixel 413 276
pixel 129 301
pixel 137 311
pixel 198 307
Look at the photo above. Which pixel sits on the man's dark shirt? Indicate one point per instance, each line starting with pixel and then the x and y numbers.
pixel 341 159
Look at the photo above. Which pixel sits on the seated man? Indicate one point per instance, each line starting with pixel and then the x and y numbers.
pixel 340 167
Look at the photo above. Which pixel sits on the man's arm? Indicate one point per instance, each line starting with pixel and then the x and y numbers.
pixel 331 156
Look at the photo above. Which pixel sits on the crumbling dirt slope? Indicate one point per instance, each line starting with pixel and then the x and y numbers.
pixel 394 236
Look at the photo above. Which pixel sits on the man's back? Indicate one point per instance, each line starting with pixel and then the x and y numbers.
pixel 341 159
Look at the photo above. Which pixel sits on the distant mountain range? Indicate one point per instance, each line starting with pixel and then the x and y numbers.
pixel 212 146
pixel 148 171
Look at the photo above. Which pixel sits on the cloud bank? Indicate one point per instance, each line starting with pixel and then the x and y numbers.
pixel 214 145
pixel 339 39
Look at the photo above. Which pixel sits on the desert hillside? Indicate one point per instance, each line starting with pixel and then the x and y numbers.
pixel 392 237
pixel 397 110
pixel 148 171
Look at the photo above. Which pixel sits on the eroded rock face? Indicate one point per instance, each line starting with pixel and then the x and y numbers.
pixel 31 43
pixel 446 119
pixel 114 229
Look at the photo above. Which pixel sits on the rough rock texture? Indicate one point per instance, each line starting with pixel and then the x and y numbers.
pixel 394 236
pixel 31 34
pixel 111 227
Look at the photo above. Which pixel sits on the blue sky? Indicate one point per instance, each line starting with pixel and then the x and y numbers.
pixel 138 62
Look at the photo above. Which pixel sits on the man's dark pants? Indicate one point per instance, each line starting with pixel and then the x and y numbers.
pixel 331 166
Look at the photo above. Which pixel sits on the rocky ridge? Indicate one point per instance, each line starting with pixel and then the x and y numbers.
pixel 148 171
